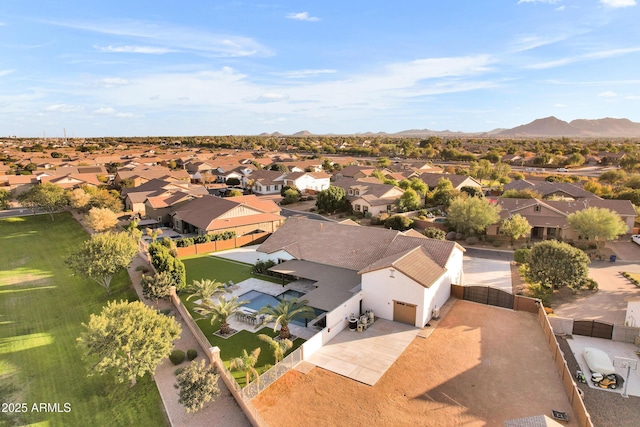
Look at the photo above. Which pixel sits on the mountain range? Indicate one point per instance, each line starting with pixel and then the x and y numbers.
pixel 546 127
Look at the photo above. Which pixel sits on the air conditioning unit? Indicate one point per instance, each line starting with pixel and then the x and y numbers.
pixel 436 313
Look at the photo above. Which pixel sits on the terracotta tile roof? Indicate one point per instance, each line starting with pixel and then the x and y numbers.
pixel 347 246
pixel 415 263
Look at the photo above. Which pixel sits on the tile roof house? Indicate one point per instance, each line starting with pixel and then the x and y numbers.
pixel 548 218
pixel 402 277
pixel 564 190
pixel 211 214
pixel 134 198
pixel 264 181
pixel 458 181
pixel 308 182
pixel 369 195
pixel 142 174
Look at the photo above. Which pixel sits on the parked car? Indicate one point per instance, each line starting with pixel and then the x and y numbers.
pixel 636 239
pixel 562 170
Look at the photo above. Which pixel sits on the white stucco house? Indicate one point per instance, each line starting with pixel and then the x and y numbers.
pixel 308 182
pixel 399 276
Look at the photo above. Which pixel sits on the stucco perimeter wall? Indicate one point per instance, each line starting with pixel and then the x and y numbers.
pixel 381 290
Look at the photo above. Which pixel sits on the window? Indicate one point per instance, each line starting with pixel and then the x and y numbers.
pixel 536 208
pixel 365 209
pixel 159 219
pixel 357 192
pixel 268 188
pixel 350 192
pixel 357 208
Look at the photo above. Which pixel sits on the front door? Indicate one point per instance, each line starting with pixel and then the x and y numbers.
pixel 404 313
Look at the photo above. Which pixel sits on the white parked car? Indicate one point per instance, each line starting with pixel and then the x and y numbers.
pixel 562 170
pixel 636 238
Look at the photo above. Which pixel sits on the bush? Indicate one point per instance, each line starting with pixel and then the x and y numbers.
pixel 165 311
pixel 473 240
pixel 435 233
pixel 590 284
pixel 262 267
pixel 521 256
pixel 543 293
pixel 177 357
pixel 451 235
pixel 192 353
pixel 398 222
pixel 496 243
pixel 459 236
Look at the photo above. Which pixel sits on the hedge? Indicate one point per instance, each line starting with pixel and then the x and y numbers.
pixel 190 241
pixel 163 260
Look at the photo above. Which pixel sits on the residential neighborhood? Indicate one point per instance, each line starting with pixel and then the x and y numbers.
pixel 295 274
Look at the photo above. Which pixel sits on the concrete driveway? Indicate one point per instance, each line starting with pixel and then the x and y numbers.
pixel 608 304
pixel 626 251
pixel 487 272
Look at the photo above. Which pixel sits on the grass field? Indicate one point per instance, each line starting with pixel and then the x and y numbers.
pixel 42 308
pixel 206 267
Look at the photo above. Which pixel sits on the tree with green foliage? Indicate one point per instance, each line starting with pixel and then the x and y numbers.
pixel 419 186
pixel 557 264
pixel 597 224
pixel 398 222
pixel 197 385
pixel 156 287
pixel 472 191
pixel 384 162
pixel 521 194
pixel 246 363
pixel 290 196
pixel 101 219
pixel 409 201
pixel 205 289
pixel 283 313
pixel 472 215
pixel 78 198
pixel 435 233
pixel 575 159
pixel 219 310
pixel 127 339
pixel 615 176
pixel 332 199
pixel 443 193
pixel 516 227
pixel 235 193
pixel 279 347
pixel 164 258
pixel 45 196
pixel 103 198
pixel 102 256
pixel 5 198
pixel 232 181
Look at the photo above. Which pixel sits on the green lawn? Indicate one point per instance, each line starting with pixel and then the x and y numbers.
pixel 206 267
pixel 42 308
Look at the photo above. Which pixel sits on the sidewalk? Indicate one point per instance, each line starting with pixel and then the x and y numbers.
pixel 224 411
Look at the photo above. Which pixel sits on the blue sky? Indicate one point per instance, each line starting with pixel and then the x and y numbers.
pixel 138 67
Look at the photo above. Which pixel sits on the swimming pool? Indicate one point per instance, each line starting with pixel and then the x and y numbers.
pixel 258 299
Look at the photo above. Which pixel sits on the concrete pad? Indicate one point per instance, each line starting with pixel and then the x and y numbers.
pixel 246 254
pixel 365 356
pixel 487 272
pixel 613 349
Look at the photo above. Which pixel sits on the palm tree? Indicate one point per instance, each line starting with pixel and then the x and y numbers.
pixel 246 362
pixel 283 313
pixel 279 347
pixel 205 289
pixel 221 310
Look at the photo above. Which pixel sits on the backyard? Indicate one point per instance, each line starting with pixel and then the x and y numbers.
pixel 42 308
pixel 207 267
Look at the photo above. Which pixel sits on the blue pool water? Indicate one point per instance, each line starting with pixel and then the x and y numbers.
pixel 258 299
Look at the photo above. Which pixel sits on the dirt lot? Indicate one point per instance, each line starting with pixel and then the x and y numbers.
pixel 480 366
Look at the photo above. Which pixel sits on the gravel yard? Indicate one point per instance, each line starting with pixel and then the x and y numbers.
pixel 606 409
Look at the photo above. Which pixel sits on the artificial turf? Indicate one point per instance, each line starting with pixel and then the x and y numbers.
pixel 42 308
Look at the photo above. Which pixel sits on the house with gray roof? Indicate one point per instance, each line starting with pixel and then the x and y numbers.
pixel 369 195
pixel 401 277
pixel 552 190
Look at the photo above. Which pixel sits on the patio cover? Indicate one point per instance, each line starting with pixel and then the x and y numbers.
pixel 334 285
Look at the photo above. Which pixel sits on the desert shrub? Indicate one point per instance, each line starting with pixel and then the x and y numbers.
pixel 262 267
pixel 192 353
pixel 548 310
pixel 398 222
pixel 473 240
pixel 312 209
pixel 459 236
pixel 590 284
pixel 451 235
pixel 543 293
pixel 435 233
pixel 521 256
pixel 177 357
pixel 496 243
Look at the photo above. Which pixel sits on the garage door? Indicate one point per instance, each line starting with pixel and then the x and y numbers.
pixel 404 313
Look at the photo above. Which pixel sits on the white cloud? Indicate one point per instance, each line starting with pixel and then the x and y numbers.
pixel 302 16
pixel 608 94
pixel 5 72
pixel 64 108
pixel 273 97
pixel 633 97
pixel 586 57
pixel 618 3
pixel 135 49
pixel 114 81
pixel 167 38
pixel 560 105
pixel 110 111
pixel 300 74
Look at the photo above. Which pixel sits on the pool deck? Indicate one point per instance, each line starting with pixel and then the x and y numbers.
pixel 272 289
